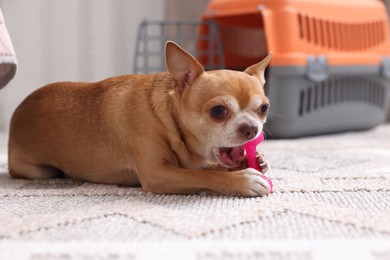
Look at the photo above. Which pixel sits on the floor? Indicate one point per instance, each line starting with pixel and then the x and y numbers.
pixel 331 200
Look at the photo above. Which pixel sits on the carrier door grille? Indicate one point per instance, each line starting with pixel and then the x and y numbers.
pixel 200 38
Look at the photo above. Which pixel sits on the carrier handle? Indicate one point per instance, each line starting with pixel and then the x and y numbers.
pixel 317 68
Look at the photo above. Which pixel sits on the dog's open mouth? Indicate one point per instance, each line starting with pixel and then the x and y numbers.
pixel 230 156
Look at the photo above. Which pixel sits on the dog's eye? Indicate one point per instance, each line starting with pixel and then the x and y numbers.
pixel 264 109
pixel 218 112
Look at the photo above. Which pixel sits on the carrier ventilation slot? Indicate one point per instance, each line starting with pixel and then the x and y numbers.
pixel 341 90
pixel 341 36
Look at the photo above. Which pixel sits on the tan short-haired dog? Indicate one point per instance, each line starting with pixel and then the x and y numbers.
pixel 176 132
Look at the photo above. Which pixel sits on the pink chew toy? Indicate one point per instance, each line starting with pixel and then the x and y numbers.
pixel 250 149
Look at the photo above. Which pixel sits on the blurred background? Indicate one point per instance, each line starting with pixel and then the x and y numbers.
pixel 78 40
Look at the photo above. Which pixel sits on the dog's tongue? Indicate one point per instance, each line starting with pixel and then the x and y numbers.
pixel 237 153
pixel 232 156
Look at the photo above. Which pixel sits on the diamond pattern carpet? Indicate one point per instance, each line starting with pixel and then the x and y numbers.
pixel 331 200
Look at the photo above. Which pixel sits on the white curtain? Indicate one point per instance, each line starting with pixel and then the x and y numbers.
pixel 76 40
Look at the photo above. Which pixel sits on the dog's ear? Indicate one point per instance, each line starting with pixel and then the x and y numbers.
pixel 259 68
pixel 182 65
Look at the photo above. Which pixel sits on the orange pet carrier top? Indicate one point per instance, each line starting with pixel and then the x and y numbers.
pixel 349 32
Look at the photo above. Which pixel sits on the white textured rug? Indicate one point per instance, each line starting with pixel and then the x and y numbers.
pixel 331 200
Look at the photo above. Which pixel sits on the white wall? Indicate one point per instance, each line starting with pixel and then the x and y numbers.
pixel 76 40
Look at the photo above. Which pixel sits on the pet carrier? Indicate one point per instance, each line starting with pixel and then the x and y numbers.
pixel 330 67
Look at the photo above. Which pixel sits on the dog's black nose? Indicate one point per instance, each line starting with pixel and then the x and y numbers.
pixel 248 131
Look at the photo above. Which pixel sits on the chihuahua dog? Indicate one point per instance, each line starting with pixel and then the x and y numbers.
pixel 176 132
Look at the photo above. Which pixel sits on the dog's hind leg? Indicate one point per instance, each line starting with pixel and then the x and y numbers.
pixel 21 169
pixel 32 171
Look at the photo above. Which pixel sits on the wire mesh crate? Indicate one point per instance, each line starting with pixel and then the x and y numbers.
pixel 152 36
pixel 330 67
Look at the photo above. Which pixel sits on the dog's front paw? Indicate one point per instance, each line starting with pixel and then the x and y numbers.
pixel 262 162
pixel 256 184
